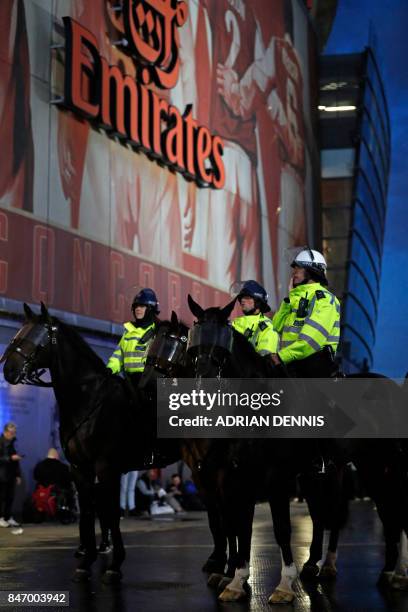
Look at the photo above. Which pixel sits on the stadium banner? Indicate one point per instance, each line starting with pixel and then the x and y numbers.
pixel 167 144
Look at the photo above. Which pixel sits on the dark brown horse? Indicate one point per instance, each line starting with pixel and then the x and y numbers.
pixel 103 428
pixel 228 354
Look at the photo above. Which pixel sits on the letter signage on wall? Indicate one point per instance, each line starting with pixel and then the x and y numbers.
pixel 128 107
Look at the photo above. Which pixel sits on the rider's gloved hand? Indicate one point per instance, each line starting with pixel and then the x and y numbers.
pixel 276 360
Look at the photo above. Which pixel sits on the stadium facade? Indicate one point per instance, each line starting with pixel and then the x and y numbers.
pixel 355 161
pixel 171 145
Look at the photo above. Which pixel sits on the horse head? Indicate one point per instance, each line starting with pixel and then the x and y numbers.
pixel 166 353
pixel 29 351
pixel 211 338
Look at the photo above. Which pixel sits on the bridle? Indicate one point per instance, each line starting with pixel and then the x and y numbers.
pixel 28 342
pixel 210 341
pixel 165 352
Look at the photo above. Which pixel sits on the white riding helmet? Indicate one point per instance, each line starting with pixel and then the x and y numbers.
pixel 311 260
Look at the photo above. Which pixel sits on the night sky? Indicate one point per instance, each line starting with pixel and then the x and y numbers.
pixel 350 33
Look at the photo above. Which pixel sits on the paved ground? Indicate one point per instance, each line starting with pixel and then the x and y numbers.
pixel 162 569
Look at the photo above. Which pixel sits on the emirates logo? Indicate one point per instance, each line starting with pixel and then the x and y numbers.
pixel 151 31
pixel 125 106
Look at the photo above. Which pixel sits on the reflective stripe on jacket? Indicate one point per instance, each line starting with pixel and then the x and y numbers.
pixel 131 352
pixel 305 333
pixel 258 329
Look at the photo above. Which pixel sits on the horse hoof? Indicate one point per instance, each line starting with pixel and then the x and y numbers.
pixel 281 597
pixel 399 582
pixel 81 575
pixel 229 594
pixel 310 571
pixel 385 580
pixel 214 580
pixel 112 576
pixel 214 566
pixel 328 571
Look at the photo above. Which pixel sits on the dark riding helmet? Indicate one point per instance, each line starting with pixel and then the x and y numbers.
pixel 251 288
pixel 146 297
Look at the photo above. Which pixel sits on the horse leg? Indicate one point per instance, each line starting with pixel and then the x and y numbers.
pixel 104 546
pixel 215 563
pixel 233 561
pixel 85 485
pixel 400 578
pixel 109 509
pixel 396 482
pixel 328 506
pixel 241 530
pixel 392 537
pixel 220 581
pixel 280 510
pixel 376 484
pixel 312 491
pixel 329 569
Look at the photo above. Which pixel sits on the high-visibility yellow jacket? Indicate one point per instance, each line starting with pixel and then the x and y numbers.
pixel 306 327
pixel 258 329
pixel 131 352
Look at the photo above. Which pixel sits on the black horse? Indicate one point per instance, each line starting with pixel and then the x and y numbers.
pixel 104 429
pixel 167 358
pixel 228 354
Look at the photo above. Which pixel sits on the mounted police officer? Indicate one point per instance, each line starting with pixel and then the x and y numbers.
pixel 131 352
pixel 254 325
pixel 308 320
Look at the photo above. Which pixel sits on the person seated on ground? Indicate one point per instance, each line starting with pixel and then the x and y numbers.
pixel 174 489
pixel 149 489
pixel 54 493
pixel 185 493
pixel 145 493
pixel 191 497
pixel 51 471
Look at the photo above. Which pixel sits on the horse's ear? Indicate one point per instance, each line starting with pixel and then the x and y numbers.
pixel 226 311
pixel 195 308
pixel 174 319
pixel 28 312
pixel 44 311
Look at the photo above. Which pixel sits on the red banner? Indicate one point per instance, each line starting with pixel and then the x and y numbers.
pixel 70 273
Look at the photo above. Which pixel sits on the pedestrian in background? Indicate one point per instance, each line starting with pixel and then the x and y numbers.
pixel 10 473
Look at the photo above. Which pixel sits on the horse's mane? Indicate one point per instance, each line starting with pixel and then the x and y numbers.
pixel 80 344
pixel 245 348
